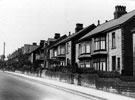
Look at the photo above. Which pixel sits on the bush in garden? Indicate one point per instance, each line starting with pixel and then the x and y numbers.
pixel 104 74
pixel 86 71
pixel 127 78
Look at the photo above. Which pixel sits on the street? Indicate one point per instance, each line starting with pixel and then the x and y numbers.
pixel 16 88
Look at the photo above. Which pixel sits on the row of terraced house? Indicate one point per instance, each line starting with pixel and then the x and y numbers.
pixel 109 46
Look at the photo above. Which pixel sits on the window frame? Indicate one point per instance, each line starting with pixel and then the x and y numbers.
pixel 98 41
pixel 113 40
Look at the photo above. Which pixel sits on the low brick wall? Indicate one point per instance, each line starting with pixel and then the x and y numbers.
pixel 77 79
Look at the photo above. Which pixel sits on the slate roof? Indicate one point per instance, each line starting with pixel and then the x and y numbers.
pixel 111 24
pixel 76 34
pixel 58 40
pixel 34 49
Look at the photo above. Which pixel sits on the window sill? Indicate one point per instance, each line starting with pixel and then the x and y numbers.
pixel 100 50
pixel 84 53
pixel 113 47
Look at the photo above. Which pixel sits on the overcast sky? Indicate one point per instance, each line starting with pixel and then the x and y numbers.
pixel 27 21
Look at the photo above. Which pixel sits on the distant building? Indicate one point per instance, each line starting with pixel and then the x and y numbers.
pixel 62 52
pixel 57 53
pixel 37 54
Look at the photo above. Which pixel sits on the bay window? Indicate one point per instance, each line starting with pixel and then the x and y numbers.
pixel 85 63
pixel 87 47
pixel 100 43
pixel 58 50
pixel 97 43
pixel 55 53
pixel 84 47
pixel 62 50
pixel 100 64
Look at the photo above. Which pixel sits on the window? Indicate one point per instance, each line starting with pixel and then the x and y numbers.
pixel 55 53
pixel 82 65
pixel 62 63
pixel 100 64
pixel 103 64
pixel 87 65
pixel 118 60
pixel 84 47
pixel 100 43
pixel 113 63
pixel 67 48
pixel 87 47
pixel 97 44
pixel 79 51
pixel 62 50
pixel 96 64
pixel 113 40
pixel 51 53
pixel 58 50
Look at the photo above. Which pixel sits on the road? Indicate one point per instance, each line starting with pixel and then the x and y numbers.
pixel 17 88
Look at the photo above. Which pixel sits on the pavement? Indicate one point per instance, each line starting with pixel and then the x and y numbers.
pixel 92 93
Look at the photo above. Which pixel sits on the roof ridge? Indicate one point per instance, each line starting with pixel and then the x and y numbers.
pixel 117 18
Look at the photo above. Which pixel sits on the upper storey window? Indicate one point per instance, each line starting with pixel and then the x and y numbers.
pixel 62 50
pixel 84 47
pixel 67 48
pixel 87 47
pixel 55 53
pixel 113 40
pixel 100 43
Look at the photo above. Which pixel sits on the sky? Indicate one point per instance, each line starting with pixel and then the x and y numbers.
pixel 27 21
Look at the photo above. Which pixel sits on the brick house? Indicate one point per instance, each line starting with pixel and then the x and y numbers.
pixel 38 53
pixel 65 48
pixel 110 46
pixel 57 53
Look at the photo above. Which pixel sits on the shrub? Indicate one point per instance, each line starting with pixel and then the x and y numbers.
pixel 63 69
pixel 127 78
pixel 104 74
pixel 86 71
pixel 127 73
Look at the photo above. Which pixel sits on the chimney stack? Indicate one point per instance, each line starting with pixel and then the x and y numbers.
pixel 34 43
pixel 57 35
pixel 79 27
pixel 42 42
pixel 69 33
pixel 106 20
pixel 119 11
pixel 98 22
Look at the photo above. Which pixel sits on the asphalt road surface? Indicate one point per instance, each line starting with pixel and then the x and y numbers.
pixel 16 88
